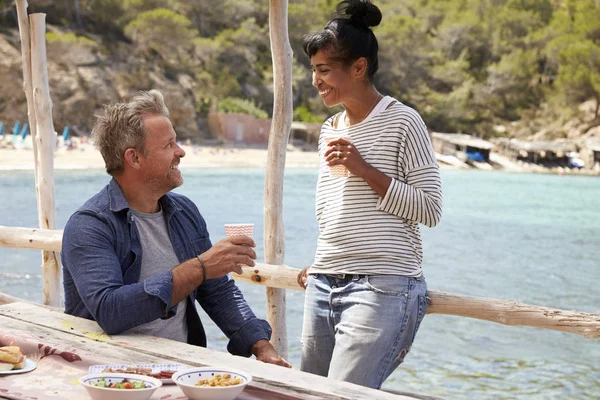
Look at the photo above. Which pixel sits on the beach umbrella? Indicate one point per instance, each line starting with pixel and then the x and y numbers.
pixel 65 133
pixel 24 130
pixel 16 128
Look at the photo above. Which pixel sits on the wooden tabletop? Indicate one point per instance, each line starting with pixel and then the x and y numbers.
pixel 56 329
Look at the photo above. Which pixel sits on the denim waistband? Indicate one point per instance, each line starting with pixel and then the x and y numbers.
pixel 345 276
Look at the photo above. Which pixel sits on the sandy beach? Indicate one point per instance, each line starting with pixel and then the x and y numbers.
pixel 87 157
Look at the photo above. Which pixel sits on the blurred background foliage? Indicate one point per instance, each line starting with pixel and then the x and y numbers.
pixel 465 65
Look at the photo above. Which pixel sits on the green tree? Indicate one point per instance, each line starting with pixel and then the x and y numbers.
pixel 156 31
pixel 579 72
pixel 240 106
pixel 513 84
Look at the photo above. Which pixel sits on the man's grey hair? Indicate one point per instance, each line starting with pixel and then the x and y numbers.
pixel 121 127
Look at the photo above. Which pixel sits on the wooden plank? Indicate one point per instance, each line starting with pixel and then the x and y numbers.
pixel 45 140
pixel 278 139
pixel 275 377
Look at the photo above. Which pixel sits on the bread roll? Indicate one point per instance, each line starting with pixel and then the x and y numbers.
pixel 11 356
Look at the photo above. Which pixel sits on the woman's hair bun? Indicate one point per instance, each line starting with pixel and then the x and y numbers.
pixel 361 12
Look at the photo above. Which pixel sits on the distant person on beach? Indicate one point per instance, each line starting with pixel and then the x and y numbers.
pixel 136 255
pixel 365 291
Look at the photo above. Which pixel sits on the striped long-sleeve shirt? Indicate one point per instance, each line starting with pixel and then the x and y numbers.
pixel 360 232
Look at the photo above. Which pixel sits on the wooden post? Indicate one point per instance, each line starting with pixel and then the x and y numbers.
pixel 26 61
pixel 45 140
pixel 278 140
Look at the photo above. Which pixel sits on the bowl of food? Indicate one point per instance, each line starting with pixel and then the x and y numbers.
pixel 214 383
pixel 110 386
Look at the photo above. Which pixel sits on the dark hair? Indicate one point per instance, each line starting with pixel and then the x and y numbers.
pixel 348 34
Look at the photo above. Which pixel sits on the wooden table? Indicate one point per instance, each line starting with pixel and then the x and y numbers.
pixel 59 337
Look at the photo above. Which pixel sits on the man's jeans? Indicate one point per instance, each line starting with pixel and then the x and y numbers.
pixel 359 328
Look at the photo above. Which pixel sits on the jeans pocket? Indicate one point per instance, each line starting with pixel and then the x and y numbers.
pixel 423 303
pixel 417 311
pixel 392 285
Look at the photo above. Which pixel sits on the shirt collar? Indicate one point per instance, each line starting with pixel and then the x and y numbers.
pixel 118 202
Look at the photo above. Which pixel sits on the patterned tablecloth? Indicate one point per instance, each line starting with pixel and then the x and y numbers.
pixel 60 367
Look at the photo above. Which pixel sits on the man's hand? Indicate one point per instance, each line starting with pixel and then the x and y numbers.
pixel 229 255
pixel 265 352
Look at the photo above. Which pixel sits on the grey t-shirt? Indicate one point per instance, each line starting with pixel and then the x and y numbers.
pixel 158 256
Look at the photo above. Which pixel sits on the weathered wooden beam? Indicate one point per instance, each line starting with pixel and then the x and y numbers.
pixel 278 139
pixel 506 312
pixel 514 313
pixel 45 140
pixel 30 238
pixel 24 33
pixel 275 276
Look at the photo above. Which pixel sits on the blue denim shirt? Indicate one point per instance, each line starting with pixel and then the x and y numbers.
pixel 102 258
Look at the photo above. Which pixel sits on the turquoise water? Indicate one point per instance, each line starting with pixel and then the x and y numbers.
pixel 530 238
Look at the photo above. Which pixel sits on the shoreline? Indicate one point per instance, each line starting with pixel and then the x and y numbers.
pixel 86 157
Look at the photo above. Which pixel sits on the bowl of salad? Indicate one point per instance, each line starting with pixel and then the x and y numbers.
pixel 114 386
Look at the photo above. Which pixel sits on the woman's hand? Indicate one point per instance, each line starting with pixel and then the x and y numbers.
pixel 343 152
pixel 303 277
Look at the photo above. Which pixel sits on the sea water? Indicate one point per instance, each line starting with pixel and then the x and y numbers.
pixel 524 237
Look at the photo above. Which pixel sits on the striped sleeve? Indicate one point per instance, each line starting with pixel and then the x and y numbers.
pixel 418 199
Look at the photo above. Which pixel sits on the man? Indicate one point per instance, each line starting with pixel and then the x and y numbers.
pixel 137 256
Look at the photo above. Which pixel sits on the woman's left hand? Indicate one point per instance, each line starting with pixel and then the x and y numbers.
pixel 343 152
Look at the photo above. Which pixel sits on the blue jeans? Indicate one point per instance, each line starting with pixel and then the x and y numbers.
pixel 359 328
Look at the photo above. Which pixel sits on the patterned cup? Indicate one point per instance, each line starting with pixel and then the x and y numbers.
pixel 338 171
pixel 239 229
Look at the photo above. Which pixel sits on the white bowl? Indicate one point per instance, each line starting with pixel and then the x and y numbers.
pixel 187 378
pixel 101 393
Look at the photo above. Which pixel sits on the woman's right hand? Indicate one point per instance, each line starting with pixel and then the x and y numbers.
pixel 303 277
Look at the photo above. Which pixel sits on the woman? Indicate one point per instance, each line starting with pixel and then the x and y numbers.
pixel 365 292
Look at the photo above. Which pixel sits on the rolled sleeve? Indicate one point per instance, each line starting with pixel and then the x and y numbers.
pixel 225 305
pixel 416 195
pixel 419 200
pixel 244 338
pixel 161 286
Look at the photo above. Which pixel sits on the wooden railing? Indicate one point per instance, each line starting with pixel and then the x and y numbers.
pixel 504 312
